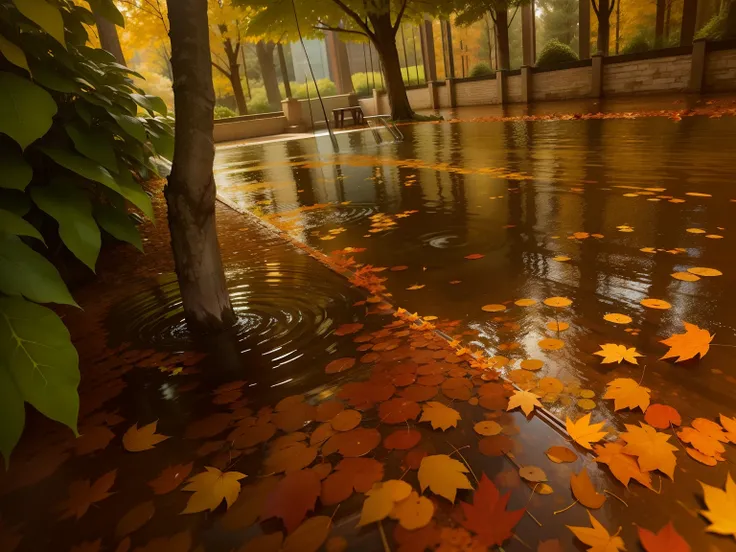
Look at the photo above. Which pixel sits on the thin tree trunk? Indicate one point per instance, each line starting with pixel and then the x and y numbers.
pixel 605 8
pixel 234 75
pixel 264 51
pixel 109 39
pixel 284 71
pixel 385 43
pixel 502 34
pixel 190 191
pixel 659 23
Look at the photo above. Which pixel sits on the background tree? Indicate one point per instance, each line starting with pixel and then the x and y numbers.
pixel 558 20
pixel 603 10
pixel 227 23
pixel 264 51
pixel 190 192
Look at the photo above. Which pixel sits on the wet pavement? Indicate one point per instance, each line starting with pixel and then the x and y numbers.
pixel 601 212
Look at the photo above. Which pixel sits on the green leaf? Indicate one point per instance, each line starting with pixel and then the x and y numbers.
pixel 13 225
pixel 82 166
pixel 72 209
pixel 93 143
pixel 15 201
pixel 107 9
pixel 13 54
pixel 36 348
pixel 132 126
pixel 163 143
pixel 25 272
pixel 83 111
pixel 52 78
pixel 44 15
pixel 12 413
pixel 118 224
pixel 154 104
pixel 16 172
pixel 26 110
pixel 132 191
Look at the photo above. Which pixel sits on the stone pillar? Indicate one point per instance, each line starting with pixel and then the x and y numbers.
pixel 426 36
pixel 584 29
pixel 501 86
pixel 337 60
pixel 450 57
pixel 528 34
pixel 689 15
pixel 526 84
pixel 451 97
pixel 432 91
pixel 697 66
pixel 377 94
pixel 596 85
pixel 292 109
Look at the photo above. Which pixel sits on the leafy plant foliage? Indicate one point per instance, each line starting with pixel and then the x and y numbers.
pixel 73 149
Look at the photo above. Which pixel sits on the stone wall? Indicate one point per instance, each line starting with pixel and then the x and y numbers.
pixel 513 89
pixel 248 127
pixel 666 74
pixel 480 92
pixel 562 85
pixel 419 98
pixel 720 71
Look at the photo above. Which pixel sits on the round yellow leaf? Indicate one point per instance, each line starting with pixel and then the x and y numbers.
pixel 525 302
pixel 413 512
pixel 558 302
pixel 714 236
pixel 685 276
pixel 542 489
pixel 586 404
pixel 695 231
pixel 702 271
pixel 532 364
pixel 587 393
pixel 550 386
pixel 493 308
pixel 617 318
pixel 557 326
pixel 487 428
pixel 655 304
pixel 551 344
pixel 533 474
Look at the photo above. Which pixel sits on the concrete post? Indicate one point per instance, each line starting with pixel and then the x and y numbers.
pixel 432 91
pixel 501 88
pixel 377 101
pixel 337 60
pixel 526 84
pixel 584 29
pixel 596 85
pixel 528 32
pixel 426 36
pixel 292 109
pixel 451 97
pixel 689 15
pixel 697 66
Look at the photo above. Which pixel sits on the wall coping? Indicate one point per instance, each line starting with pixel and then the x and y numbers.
pixel 649 54
pixel 561 66
pixel 475 79
pixel 719 45
pixel 316 98
pixel 253 117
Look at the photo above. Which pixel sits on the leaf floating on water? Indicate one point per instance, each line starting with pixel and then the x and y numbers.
pixel 533 474
pixel 661 416
pixel 695 230
pixel 721 505
pixel 402 439
pixel 531 364
pixel 487 428
pixel 443 476
pixel 627 393
pixel 414 512
pixel 291 499
pixel 623 466
pixel 525 400
pixel 611 352
pixel 493 308
pixel 560 455
pixel 658 304
pixel 729 424
pixel 350 475
pixel 489 504
pixel 695 341
pixel 551 344
pixel 617 318
pixel 348 329
pixel 380 500
pixel 339 365
pixel 170 478
pixel 474 256
pixel 556 326
pixel 354 443
pixel 598 538
pixel 415 287
pixel 82 494
pixel 651 448
pixel 584 492
pixel 685 276
pixel 561 258
pixel 584 433
pixel 558 302
pixel 525 302
pixel 145 438
pixel 440 416
pixel 666 540
pixel 210 488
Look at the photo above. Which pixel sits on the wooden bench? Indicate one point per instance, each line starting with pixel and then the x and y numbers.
pixel 339 113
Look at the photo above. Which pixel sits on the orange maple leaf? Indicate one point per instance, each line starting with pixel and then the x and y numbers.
pixel 695 341
pixel 488 504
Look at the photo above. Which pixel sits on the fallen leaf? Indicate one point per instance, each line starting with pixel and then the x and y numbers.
pixel 617 318
pixel 440 416
pixel 339 365
pixel 249 506
pixel 414 512
pixel 144 438
pixel 210 488
pixel 597 537
pixel 346 420
pixel 309 536
pixel 402 439
pixel 170 478
pixel 721 505
pixel 729 424
pixel 415 287
pixel 532 474
pixel 92 439
pixel 685 276
pixel 557 302
pixel 551 344
pixel 611 352
pixel 347 329
pixel 557 326
pixel 398 411
pixel 474 256
pixel 493 308
pixel 525 302
pixel 695 341
pixel 531 364
pixel 658 304
pixel 627 393
pixel 667 540
pixel 82 494
pixel 710 428
pixel 584 492
pixel 561 258
pixel 651 447
pixel 418 540
pixel 695 454
pixel 135 519
pixel 702 271
pixel 291 499
pixel 701 441
pixel 292 456
pixel 661 416
pixel 524 400
pixel 583 432
pixel 351 474
pixel 623 466
pixel 380 500
pixel 489 504
pixel 487 428
pixel 560 455
pixel 443 476
pixel 356 442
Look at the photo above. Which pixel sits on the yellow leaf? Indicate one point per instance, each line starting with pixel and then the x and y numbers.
pixel 695 341
pixel 584 433
pixel 415 287
pixel 703 271
pixel 721 507
pixel 210 488
pixel 729 424
pixel 617 353
pixel 493 308
pixel 525 302
pixel 414 512
pixel 443 476
pixel 557 302
pixel 524 400
pixel 685 276
pixel 487 428
pixel 617 318
pixel 655 304
pixel 440 416
pixel 651 448
pixel 627 393
pixel 597 537
pixel 584 492
pixel 309 536
pixel 137 439
pixel 381 500
pixel 551 344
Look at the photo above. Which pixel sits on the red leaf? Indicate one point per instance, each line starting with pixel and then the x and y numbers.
pixel 347 329
pixel 402 439
pixel 294 496
pixel 488 504
pixel 474 256
pixel 667 540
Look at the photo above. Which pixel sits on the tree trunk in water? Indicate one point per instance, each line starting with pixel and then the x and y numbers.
pixel 502 32
pixel 234 75
pixel 659 23
pixel 109 39
pixel 190 192
pixel 264 51
pixel 385 43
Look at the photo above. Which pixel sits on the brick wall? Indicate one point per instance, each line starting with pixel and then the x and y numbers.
pixel 513 89
pixel 481 92
pixel 720 71
pixel 562 85
pixel 667 74
pixel 419 98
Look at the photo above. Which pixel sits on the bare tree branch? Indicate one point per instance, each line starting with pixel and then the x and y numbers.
pixel 221 69
pixel 324 27
pixel 399 16
pixel 355 17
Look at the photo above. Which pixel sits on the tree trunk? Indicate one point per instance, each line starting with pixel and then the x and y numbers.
pixel 284 71
pixel 605 9
pixel 659 23
pixel 190 191
pixel 385 42
pixel 264 51
pixel 234 75
pixel 109 39
pixel 502 32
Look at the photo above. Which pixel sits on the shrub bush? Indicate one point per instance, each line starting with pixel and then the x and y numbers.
pixel 223 112
pixel 409 74
pixel 716 28
pixel 299 90
pixel 258 103
pixel 481 70
pixel 640 42
pixel 363 82
pixel 556 53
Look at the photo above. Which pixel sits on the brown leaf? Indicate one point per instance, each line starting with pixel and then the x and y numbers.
pixel 248 436
pixel 208 427
pixel 351 474
pixel 328 410
pixel 291 458
pixel 356 442
pixel 666 540
pixel 418 540
pixel 135 519
pixel 584 492
pixel 402 439
pixel 347 329
pixel 170 478
pixel 339 365
pixel 139 439
pixel 249 506
pixel 294 496
pixel 92 439
pixel 309 536
pixel 82 494
pixel 398 411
